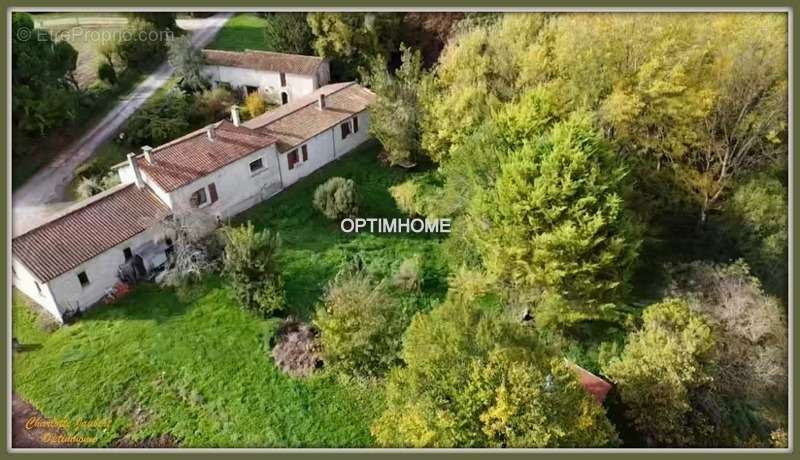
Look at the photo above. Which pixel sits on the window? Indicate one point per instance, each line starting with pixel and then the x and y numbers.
pixel 83 279
pixel 198 198
pixel 283 79
pixel 256 165
pixel 212 192
pixel 355 124
pixel 251 89
pixel 304 149
pixel 128 254
pixel 345 129
pixel 292 158
pixel 284 98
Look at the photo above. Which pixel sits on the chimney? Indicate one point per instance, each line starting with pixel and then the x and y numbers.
pixel 210 132
pixel 235 115
pixel 146 149
pixel 137 176
pixel 321 101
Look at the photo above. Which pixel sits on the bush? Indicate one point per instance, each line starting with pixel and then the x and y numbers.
pixel 142 46
pixel 255 104
pixel 336 198
pixel 162 119
pixel 213 104
pixel 288 33
pixel 360 325
pixel 409 275
pixel 250 264
pixel 757 218
pixel 106 72
pixel 188 63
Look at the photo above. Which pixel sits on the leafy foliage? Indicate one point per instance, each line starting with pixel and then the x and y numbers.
pixel 336 198
pixel 250 265
pixel 661 368
pixel 287 33
pixel 360 324
pixel 162 118
pixel 394 116
pixel 472 379
pixel 142 45
pixel 254 104
pixel 212 105
pixel 188 63
pixel 556 220
pixel 106 72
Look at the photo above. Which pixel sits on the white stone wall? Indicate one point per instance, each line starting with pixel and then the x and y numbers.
pixel 237 188
pixel 269 83
pixel 66 291
pixel 324 148
pixel 25 281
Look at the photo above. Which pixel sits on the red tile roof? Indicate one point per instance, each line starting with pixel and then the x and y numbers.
pixel 193 156
pixel 87 230
pixel 300 120
pixel 265 60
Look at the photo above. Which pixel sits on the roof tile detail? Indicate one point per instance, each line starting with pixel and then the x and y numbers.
pixel 265 60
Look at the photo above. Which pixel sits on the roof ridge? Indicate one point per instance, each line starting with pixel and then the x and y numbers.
pixel 308 56
pixel 94 199
pixel 311 101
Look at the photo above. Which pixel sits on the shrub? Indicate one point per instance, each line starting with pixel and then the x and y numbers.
pixel 255 104
pixel 211 105
pixel 162 119
pixel 188 63
pixel 251 267
pixel 288 33
pixel 360 325
pixel 405 195
pixel 336 198
pixel 142 45
pixel 757 216
pixel 664 364
pixel 106 72
pixel 409 275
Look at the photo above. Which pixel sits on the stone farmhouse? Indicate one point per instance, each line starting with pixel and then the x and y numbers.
pixel 279 78
pixel 75 259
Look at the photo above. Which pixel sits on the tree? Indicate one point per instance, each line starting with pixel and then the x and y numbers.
pixel 250 264
pixel 336 198
pixel 142 46
pixel 44 93
pixel 161 20
pixel 288 33
pixel 353 39
pixel 106 72
pixel 360 325
pixel 661 369
pixel 213 104
pixel 394 116
pixel 473 379
pixel 192 255
pixel 161 119
pixel 756 215
pixel 555 221
pixel 188 63
pixel 750 327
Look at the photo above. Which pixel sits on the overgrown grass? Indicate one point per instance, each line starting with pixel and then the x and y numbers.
pixel 197 367
pixel 242 31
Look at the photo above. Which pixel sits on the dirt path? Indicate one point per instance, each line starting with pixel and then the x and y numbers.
pixel 23 433
pixel 44 193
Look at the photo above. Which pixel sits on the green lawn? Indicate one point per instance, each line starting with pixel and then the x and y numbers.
pixel 242 31
pixel 196 366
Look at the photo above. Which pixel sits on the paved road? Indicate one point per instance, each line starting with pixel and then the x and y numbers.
pixel 44 193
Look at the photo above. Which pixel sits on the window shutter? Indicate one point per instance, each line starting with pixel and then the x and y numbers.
pixel 212 190
pixel 305 153
pixel 355 124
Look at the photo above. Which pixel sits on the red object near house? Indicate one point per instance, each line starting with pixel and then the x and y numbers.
pixel 595 385
pixel 120 290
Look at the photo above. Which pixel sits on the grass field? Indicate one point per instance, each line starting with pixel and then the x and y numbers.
pixel 196 366
pixel 242 31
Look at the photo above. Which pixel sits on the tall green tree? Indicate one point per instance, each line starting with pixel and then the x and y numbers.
pixel 662 368
pixel 395 114
pixel 353 39
pixel 474 379
pixel 555 221
pixel 288 33
pixel 188 63
pixel 43 90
